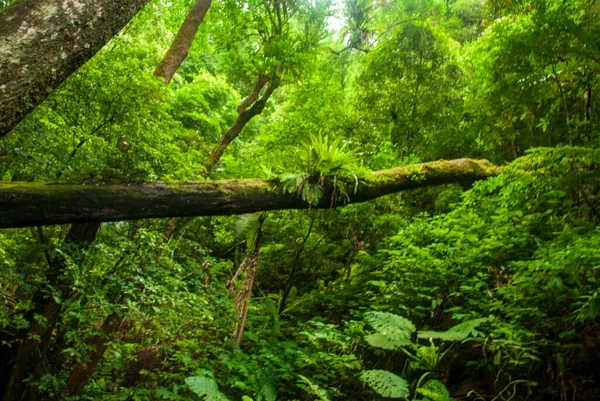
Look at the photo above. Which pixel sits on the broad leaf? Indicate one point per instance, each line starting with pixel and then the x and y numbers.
pixel 435 390
pixel 393 326
pixel 386 383
pixel 384 341
pixel 456 333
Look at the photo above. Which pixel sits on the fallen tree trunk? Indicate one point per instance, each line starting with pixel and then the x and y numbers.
pixel 42 42
pixel 24 204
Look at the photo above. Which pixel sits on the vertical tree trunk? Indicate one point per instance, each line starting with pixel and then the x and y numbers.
pixel 243 283
pixel 42 42
pixel 37 339
pixel 183 41
pixel 80 375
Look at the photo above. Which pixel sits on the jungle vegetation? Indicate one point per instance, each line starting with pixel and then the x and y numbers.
pixel 264 200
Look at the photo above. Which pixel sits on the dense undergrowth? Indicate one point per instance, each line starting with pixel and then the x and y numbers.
pixel 487 292
pixel 520 251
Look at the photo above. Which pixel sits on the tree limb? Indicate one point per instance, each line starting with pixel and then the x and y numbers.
pixel 24 204
pixel 180 47
pixel 243 118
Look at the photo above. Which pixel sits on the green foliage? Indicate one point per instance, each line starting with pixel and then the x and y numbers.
pixel 323 156
pixel 435 390
pixel 205 387
pixel 247 225
pixel 386 383
pixel 456 333
pixel 501 279
pixel 529 72
pixel 323 164
pixel 410 85
pixel 393 333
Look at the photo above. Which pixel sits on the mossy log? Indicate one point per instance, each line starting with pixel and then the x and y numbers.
pixel 24 204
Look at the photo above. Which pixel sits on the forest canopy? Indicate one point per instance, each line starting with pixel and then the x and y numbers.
pixel 171 181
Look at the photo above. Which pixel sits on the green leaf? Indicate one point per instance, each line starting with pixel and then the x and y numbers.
pixel 386 383
pixel 435 390
pixel 205 387
pixel 381 340
pixel 456 333
pixel 393 326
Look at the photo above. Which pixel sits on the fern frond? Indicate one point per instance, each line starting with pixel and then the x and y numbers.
pixel 206 388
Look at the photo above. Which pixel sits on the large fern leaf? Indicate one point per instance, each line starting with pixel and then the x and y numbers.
pixel 265 382
pixel 386 383
pixel 206 388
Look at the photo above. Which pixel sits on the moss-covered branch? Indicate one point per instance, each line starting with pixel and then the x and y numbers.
pixel 25 204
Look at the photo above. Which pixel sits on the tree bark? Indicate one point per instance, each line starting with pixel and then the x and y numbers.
pixel 37 339
pixel 246 274
pixel 183 41
pixel 80 375
pixel 24 204
pixel 42 42
pixel 253 96
pixel 245 115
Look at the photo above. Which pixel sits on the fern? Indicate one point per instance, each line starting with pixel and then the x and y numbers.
pixel 265 382
pixel 325 157
pixel 313 389
pixel 323 162
pixel 393 332
pixel 206 388
pixel 385 383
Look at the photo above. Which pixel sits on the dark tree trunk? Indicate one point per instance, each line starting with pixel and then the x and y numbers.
pixel 24 204
pixel 42 42
pixel 38 338
pixel 183 41
pixel 80 375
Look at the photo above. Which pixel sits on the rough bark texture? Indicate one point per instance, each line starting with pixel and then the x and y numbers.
pixel 38 338
pixel 183 41
pixel 42 42
pixel 243 283
pixel 31 204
